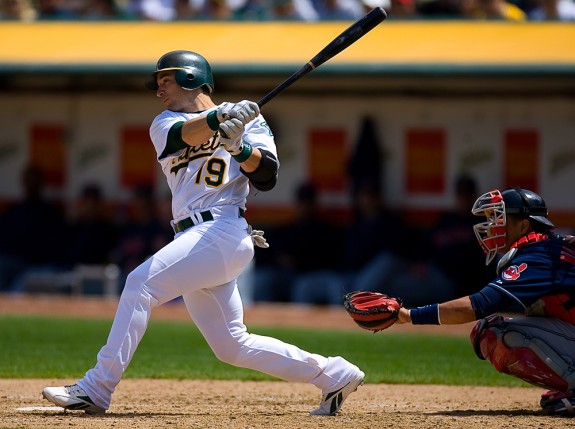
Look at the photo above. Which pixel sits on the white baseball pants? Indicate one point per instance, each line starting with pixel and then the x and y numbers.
pixel 202 265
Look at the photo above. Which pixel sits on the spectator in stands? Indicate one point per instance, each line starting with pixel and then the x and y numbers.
pixel 292 10
pixel 184 10
pixel 92 232
pixel 448 9
pixel 373 245
pixel 141 234
pixel 439 260
pixel 32 234
pixel 338 10
pixel 368 5
pixel 299 264
pixel 384 254
pixel 493 10
pixel 453 244
pixel 102 10
pixel 312 248
pixel 403 9
pixel 152 10
pixel 55 10
pixel 553 10
pixel 272 277
pixel 17 10
pixel 212 10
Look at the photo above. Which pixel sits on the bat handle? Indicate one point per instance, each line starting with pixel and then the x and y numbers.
pixel 286 83
pixel 267 98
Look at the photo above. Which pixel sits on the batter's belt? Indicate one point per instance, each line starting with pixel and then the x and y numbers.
pixel 204 216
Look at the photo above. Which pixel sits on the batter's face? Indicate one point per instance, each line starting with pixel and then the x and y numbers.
pixel 172 95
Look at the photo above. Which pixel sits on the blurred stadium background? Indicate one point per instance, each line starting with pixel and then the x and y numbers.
pixel 433 99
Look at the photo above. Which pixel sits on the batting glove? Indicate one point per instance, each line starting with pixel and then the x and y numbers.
pixel 231 135
pixel 246 111
pixel 258 238
pixel 223 111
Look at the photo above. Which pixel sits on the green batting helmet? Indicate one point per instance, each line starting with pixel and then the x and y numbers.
pixel 192 70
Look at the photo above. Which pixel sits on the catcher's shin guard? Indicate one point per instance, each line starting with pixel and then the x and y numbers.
pixel 515 349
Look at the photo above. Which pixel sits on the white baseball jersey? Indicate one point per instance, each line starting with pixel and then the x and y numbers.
pixel 203 176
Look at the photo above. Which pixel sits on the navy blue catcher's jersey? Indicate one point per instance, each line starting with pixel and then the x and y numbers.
pixel 538 280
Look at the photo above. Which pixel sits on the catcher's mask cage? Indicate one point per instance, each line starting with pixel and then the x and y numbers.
pixel 495 205
pixel 192 70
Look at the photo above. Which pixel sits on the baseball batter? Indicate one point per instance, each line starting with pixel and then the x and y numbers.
pixel 210 154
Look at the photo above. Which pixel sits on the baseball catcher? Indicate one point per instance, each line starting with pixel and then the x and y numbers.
pixel 535 276
pixel 373 311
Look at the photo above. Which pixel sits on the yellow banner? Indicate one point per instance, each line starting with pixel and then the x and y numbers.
pixel 276 43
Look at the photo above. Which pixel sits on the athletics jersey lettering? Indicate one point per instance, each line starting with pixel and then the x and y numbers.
pixel 190 154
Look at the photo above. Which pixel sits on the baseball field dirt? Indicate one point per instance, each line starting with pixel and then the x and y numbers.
pixel 158 404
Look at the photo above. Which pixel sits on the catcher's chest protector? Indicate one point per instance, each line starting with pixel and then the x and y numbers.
pixel 529 348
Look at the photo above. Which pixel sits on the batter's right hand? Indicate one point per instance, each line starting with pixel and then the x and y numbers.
pixel 223 111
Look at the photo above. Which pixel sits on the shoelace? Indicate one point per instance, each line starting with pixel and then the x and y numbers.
pixel 74 389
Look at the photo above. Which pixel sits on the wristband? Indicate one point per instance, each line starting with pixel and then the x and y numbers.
pixel 245 152
pixel 212 120
pixel 427 315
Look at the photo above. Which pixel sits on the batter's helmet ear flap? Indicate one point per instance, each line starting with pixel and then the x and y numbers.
pixel 192 70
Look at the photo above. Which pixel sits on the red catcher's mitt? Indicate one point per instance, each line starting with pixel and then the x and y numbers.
pixel 373 311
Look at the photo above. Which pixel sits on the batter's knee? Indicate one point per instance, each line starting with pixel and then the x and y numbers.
pixel 228 350
pixel 135 290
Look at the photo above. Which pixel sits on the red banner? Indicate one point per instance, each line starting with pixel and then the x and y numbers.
pixel 327 158
pixel 48 151
pixel 137 157
pixel 521 155
pixel 425 161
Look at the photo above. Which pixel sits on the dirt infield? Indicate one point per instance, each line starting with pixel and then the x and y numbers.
pixel 254 405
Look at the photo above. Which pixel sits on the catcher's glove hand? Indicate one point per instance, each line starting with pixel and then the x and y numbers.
pixel 373 311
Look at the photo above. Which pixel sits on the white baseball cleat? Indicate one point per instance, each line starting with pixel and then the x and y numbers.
pixel 71 398
pixel 332 401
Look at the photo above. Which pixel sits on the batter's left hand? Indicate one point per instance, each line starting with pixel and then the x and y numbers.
pixel 231 135
pixel 246 111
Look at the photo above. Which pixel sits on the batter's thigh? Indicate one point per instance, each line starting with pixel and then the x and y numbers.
pixel 205 256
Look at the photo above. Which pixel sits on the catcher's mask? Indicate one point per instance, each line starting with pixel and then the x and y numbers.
pixel 495 205
pixel 192 70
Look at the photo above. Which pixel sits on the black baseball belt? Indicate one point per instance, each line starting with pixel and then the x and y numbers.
pixel 204 216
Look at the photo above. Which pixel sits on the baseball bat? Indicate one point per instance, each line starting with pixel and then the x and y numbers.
pixel 349 36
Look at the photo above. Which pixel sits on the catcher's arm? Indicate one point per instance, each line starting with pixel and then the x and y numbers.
pixel 403 316
pixel 452 312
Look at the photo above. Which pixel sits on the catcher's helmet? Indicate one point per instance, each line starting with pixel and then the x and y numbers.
pixel 192 70
pixel 527 204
